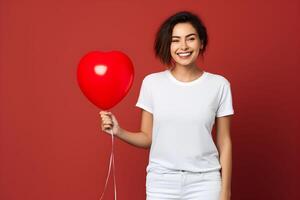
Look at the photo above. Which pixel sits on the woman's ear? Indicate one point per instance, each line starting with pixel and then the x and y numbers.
pixel 201 44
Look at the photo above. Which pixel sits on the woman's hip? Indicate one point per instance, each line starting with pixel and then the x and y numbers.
pixel 183 185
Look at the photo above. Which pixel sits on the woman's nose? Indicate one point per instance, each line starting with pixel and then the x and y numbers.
pixel 184 46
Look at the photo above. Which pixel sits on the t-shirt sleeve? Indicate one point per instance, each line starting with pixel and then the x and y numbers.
pixel 225 103
pixel 145 97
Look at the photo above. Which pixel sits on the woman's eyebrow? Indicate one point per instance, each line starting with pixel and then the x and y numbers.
pixel 185 36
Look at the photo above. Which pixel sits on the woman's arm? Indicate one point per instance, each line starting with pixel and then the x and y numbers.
pixel 225 150
pixel 142 139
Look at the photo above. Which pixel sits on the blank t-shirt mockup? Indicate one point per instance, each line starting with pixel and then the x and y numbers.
pixel 183 117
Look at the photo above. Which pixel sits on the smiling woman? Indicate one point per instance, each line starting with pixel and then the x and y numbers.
pixel 184 160
pixel 179 107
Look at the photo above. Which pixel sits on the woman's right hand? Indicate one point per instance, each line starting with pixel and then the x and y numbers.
pixel 109 123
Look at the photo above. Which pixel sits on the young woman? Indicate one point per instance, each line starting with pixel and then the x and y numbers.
pixel 180 105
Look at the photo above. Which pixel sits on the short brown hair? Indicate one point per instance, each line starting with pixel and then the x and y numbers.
pixel 164 34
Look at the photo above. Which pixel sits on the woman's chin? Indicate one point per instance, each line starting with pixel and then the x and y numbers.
pixel 186 63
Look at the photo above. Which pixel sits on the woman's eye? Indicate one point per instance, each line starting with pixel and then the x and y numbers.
pixel 178 40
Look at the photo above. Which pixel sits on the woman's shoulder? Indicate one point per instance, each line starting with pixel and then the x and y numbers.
pixel 154 76
pixel 221 79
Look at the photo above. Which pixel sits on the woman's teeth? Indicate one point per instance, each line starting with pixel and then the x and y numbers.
pixel 184 54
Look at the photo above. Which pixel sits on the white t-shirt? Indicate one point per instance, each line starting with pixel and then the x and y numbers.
pixel 183 117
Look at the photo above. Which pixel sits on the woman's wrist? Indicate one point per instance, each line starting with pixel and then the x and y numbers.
pixel 120 132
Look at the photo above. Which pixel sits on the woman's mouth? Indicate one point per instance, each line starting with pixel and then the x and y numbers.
pixel 184 54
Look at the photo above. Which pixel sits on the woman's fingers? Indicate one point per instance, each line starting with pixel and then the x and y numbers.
pixel 107 122
pixel 107 127
pixel 105 115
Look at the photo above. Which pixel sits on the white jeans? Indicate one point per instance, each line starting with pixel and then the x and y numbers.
pixel 183 185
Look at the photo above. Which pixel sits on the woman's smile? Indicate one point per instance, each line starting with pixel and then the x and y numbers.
pixel 184 55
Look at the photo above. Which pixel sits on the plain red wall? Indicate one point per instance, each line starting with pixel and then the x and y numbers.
pixel 51 146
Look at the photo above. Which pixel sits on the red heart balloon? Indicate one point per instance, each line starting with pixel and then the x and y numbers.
pixel 105 77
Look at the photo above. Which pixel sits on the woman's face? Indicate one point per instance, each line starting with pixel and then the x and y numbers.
pixel 185 44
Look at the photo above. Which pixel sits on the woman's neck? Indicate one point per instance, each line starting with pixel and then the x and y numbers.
pixel 186 73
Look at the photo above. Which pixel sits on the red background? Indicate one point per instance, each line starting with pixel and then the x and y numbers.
pixel 51 146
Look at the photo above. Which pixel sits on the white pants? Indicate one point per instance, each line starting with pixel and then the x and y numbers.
pixel 183 185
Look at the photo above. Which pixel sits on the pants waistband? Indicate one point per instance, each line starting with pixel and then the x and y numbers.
pixel 189 171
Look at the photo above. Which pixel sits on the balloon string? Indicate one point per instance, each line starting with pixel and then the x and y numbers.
pixel 111 161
